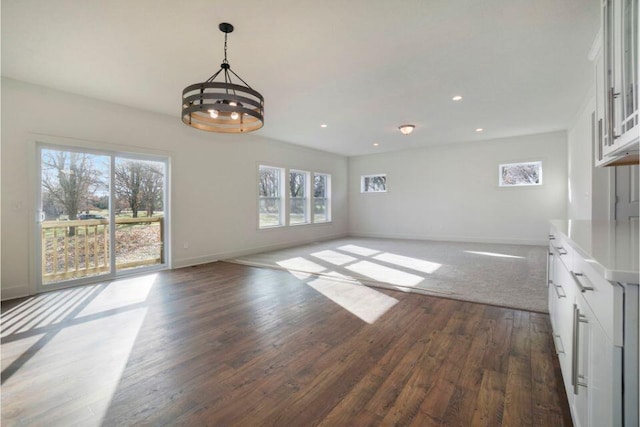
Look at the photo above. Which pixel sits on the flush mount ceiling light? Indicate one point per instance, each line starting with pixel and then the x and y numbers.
pixel 406 129
pixel 223 106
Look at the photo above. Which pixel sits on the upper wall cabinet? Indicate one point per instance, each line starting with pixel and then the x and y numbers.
pixel 617 73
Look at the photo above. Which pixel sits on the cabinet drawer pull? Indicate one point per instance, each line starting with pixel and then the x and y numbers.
pixel 560 250
pixel 557 287
pixel 576 277
pixel 557 339
pixel 575 349
pixel 575 375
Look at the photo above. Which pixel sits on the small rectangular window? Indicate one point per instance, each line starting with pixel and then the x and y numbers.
pixel 373 183
pixel 270 192
pixel 520 174
pixel 298 199
pixel 321 198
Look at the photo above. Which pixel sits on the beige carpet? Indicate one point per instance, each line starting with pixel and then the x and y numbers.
pixel 511 276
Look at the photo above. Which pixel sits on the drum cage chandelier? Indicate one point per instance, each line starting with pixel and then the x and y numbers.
pixel 225 107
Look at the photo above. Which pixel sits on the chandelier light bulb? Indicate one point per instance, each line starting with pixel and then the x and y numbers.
pixel 234 115
pixel 213 114
pixel 232 103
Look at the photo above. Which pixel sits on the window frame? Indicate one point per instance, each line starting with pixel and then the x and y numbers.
pixel 282 219
pixel 363 189
pixel 502 184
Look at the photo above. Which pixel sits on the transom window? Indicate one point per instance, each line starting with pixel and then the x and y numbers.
pixel 373 183
pixel 520 174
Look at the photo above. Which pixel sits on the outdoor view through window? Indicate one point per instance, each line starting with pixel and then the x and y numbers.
pixel 75 229
pixel 519 174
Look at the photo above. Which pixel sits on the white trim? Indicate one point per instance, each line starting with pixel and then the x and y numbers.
pixel 221 256
pixel 441 238
pixel 596 46
pixel 15 292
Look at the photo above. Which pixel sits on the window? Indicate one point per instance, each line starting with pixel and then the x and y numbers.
pixel 304 188
pixel 270 198
pixel 373 183
pixel 298 197
pixel 520 174
pixel 321 193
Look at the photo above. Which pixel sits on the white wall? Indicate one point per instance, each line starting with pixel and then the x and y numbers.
pixel 450 192
pixel 213 176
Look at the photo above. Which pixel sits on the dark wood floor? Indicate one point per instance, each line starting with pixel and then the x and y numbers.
pixel 224 344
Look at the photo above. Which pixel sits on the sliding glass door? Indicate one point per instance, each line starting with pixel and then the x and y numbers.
pixel 139 212
pixel 101 214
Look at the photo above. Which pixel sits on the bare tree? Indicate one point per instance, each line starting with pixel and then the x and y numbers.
pixel 140 184
pixel 128 180
pixel 152 188
pixel 296 184
pixel 521 174
pixel 68 178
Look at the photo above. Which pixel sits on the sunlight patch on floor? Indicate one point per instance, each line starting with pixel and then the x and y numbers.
pixel 494 254
pixel 90 351
pixel 358 250
pixel 45 310
pixel 301 268
pixel 333 257
pixel 364 302
pixel 120 293
pixel 408 262
pixel 385 274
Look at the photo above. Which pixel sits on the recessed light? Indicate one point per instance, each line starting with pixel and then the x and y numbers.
pixel 375 144
pixel 456 98
pixel 479 130
pixel 323 125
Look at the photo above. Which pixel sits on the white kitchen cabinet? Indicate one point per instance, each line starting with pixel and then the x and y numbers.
pixel 597 345
pixel 617 128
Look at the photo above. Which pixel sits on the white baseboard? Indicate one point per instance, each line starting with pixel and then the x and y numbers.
pixel 403 236
pixel 187 262
pixel 14 292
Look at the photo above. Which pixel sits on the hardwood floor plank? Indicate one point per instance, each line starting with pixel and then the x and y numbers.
pixel 490 403
pixel 225 344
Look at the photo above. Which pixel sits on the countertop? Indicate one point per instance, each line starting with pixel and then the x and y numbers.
pixel 612 247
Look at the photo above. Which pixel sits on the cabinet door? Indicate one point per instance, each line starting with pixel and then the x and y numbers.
pixel 629 68
pixel 561 302
pixel 608 78
pixel 579 366
pixel 596 373
pixel 600 120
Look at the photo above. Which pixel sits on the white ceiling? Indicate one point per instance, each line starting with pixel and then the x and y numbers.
pixel 361 66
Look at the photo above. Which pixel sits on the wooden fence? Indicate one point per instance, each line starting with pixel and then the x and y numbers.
pixel 80 248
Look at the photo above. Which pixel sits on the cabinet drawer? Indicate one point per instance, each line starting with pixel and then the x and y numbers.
pixel 603 297
pixel 561 249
